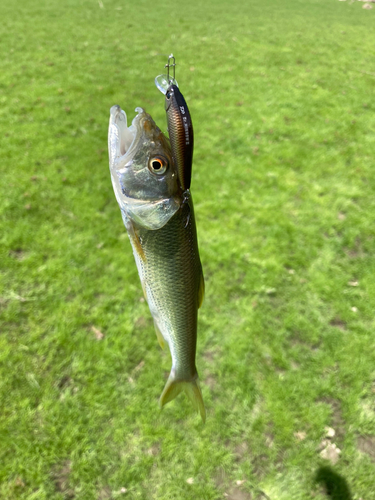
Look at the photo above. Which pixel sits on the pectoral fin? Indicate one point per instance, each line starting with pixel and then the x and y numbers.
pixel 133 236
pixel 138 252
pixel 137 245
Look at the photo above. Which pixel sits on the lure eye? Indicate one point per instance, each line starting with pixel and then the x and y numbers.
pixel 158 165
pixel 168 94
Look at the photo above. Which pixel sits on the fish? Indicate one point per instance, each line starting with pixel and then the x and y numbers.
pixel 159 218
pixel 181 134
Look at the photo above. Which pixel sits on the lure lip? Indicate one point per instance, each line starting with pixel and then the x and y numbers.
pixel 162 83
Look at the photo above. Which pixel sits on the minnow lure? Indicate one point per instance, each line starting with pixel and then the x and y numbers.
pixel 180 127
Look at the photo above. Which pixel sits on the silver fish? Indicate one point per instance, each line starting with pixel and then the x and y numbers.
pixel 159 218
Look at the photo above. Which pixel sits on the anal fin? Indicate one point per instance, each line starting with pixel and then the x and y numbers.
pixel 159 336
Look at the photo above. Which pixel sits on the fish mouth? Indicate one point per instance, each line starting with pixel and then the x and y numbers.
pixel 123 140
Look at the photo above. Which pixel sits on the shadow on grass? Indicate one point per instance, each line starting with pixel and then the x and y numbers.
pixel 336 487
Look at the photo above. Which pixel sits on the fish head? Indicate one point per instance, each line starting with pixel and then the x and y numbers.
pixel 143 173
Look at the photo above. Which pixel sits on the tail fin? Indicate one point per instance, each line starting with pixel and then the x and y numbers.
pixel 192 390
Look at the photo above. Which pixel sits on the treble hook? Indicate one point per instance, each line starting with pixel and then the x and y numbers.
pixel 170 65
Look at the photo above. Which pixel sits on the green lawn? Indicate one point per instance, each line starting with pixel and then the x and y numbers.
pixel 282 97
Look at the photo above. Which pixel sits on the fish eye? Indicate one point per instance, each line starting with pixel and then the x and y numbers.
pixel 158 165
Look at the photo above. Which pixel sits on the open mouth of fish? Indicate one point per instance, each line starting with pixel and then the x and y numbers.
pixel 123 140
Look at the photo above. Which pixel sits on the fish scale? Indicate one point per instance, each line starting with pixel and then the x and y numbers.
pixel 172 252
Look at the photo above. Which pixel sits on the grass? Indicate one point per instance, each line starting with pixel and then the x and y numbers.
pixel 282 100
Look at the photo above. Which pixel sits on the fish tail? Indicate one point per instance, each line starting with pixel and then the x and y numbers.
pixel 191 388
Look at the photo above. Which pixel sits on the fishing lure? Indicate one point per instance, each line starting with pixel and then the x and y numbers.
pixel 180 127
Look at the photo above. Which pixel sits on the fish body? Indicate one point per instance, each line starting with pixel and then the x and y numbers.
pixel 159 217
